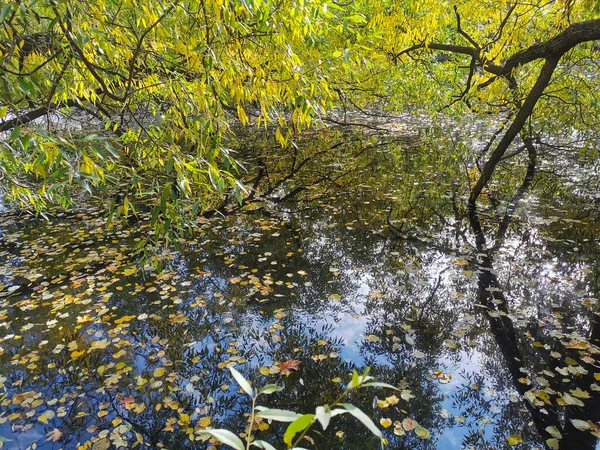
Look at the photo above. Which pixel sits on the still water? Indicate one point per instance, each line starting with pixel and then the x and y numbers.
pixel 374 265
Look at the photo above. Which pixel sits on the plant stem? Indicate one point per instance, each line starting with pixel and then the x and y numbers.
pixel 334 404
pixel 251 424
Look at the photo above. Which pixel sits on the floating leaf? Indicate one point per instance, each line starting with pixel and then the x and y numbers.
pixel 581 425
pixel 514 439
pixel 292 364
pixel 553 444
pixel 422 433
pixel 408 424
pixel 554 432
pixel 385 422
pixel 54 435
pixel 159 372
pixel 270 388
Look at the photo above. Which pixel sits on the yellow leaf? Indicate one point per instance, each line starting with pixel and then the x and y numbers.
pixel 46 416
pixel 514 439
pixel 159 372
pixel 184 419
pixel 398 431
pixel 579 393
pixel 204 422
pixel 99 345
pixel 385 423
pixel 392 400
pixel 77 354
pixel 422 433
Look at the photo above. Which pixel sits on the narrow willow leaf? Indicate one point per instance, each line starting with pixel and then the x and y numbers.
pixel 366 420
pixel 323 416
pixel 262 444
pixel 226 437
pixel 244 384
pixel 278 415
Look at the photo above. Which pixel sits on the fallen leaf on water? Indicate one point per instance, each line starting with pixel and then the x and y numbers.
pixel 514 439
pixel 408 424
pixel 159 372
pixel 54 435
pixel 385 423
pixel 581 425
pixel 422 433
pixel 292 364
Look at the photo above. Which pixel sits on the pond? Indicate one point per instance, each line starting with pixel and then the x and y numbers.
pixel 372 264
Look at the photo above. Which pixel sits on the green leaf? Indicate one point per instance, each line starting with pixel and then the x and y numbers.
pixel 355 379
pixel 226 437
pixel 270 388
pixel 6 10
pixel 278 415
pixel 298 425
pixel 323 415
pixel 263 444
pixel 366 420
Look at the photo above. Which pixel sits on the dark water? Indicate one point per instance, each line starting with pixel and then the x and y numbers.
pixel 375 265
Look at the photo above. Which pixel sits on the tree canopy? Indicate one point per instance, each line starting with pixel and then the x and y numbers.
pixel 135 101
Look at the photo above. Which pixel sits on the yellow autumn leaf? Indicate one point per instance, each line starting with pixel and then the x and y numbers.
pixel 392 399
pixel 579 393
pixel 204 422
pixel 382 404
pixel 159 372
pixel 514 439
pixel 385 422
pixel 99 345
pixel 184 419
pixel 46 416
pixel 77 354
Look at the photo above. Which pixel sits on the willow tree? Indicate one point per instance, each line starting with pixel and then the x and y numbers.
pixel 137 95
pixel 531 65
